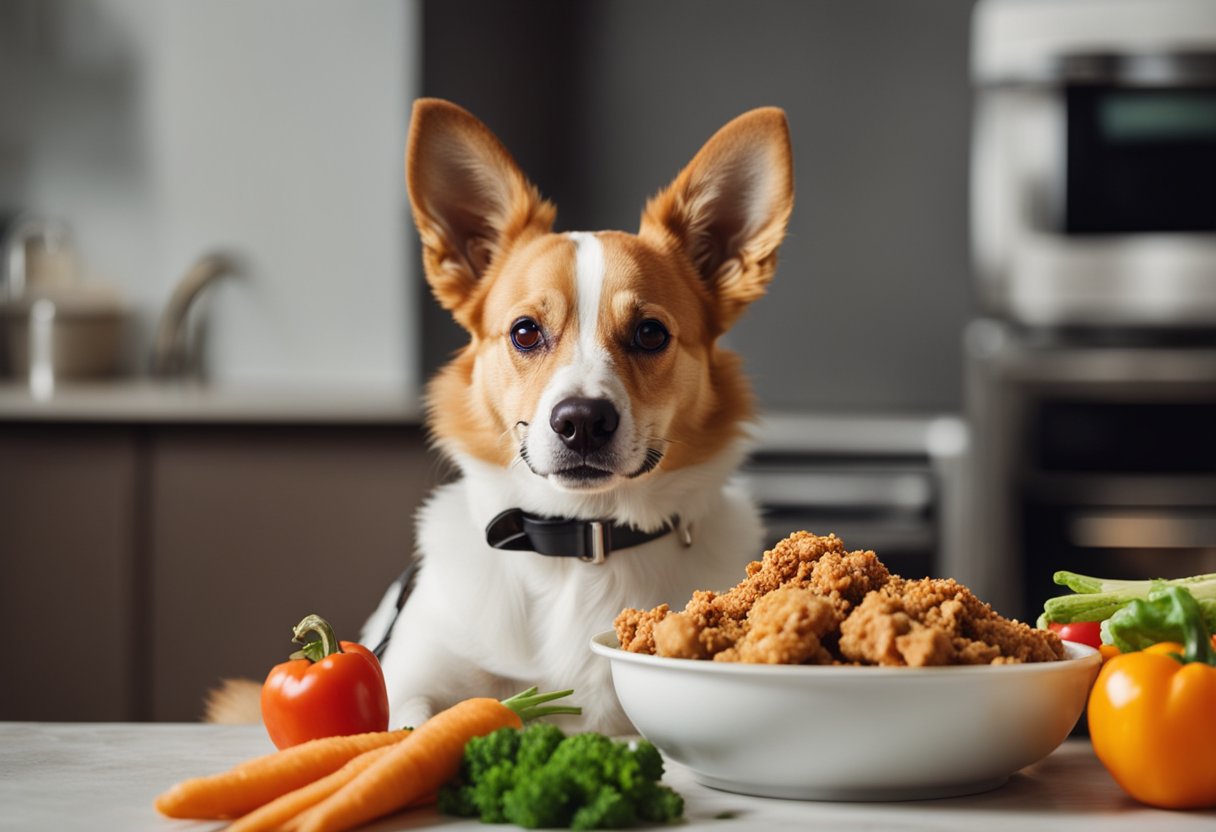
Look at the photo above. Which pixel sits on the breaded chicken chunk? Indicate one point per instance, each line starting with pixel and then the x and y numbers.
pixel 635 628
pixel 712 623
pixel 809 600
pixel 785 627
pixel 938 621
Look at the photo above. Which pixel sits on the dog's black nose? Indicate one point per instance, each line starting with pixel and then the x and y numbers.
pixel 584 425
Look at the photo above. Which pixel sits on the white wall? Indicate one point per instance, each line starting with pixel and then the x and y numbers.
pixel 272 129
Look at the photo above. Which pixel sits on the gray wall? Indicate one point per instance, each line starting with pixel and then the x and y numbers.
pixel 161 130
pixel 602 102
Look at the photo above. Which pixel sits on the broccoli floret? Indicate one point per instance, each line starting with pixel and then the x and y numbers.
pixel 588 759
pixel 457 799
pixel 490 788
pixel 537 744
pixel 545 799
pixel 659 804
pixel 541 778
pixel 608 810
pixel 484 753
pixel 649 759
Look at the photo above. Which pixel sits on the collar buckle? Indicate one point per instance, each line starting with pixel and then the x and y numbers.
pixel 596 543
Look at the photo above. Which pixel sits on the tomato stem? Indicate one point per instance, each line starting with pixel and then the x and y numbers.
pixel 326 643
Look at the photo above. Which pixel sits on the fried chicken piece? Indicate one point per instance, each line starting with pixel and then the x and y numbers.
pixel 809 600
pixel 687 635
pixel 880 632
pixel 791 561
pixel 679 637
pixel 712 622
pixel 890 627
pixel 845 578
pixel 785 627
pixel 635 628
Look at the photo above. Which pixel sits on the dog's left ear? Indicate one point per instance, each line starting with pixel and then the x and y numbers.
pixel 727 210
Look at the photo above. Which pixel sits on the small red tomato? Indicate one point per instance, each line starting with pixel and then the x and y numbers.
pixel 327 689
pixel 1082 632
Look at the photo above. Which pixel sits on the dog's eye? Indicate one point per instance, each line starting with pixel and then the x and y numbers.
pixel 526 334
pixel 650 336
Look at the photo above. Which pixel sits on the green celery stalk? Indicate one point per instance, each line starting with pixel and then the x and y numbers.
pixel 1097 599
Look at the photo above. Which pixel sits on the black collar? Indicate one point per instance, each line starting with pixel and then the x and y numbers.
pixel 588 540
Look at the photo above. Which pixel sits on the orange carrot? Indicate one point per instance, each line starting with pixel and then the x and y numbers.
pixel 244 788
pixel 282 809
pixel 414 770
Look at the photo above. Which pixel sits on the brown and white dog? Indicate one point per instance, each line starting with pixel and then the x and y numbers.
pixel 593 389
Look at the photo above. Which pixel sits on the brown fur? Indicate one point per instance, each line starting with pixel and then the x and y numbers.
pixel 234 702
pixel 698 259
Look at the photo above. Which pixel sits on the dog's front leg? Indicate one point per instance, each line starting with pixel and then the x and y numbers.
pixel 425 673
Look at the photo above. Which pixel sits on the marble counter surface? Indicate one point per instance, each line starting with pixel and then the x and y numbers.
pixel 67 777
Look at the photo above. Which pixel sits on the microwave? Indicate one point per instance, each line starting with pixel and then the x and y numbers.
pixel 1093 170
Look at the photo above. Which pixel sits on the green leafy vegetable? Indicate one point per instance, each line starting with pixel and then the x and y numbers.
pixel 1170 613
pixel 539 778
pixel 1097 599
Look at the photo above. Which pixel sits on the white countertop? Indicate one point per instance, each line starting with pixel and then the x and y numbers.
pixel 67 777
pixel 147 401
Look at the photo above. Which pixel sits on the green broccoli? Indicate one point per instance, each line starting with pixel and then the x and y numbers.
pixel 484 753
pixel 539 777
pixel 608 809
pixel 537 744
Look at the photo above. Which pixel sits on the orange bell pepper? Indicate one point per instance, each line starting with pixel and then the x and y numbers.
pixel 1152 712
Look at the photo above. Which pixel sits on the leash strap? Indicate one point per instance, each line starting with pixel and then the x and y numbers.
pixel 406 583
pixel 591 541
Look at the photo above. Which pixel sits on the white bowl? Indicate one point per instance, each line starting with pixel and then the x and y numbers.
pixel 851 733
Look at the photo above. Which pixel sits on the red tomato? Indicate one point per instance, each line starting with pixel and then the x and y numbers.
pixel 1082 632
pixel 339 692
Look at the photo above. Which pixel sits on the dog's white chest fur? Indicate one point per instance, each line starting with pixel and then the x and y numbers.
pixel 488 622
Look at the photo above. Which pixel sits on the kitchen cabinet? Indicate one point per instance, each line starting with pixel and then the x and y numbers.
pixel 254 528
pixel 144 559
pixel 68 572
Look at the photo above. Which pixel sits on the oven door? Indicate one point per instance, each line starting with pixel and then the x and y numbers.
pixel 1119 488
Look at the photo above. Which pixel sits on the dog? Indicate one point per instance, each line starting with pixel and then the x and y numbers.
pixel 593 416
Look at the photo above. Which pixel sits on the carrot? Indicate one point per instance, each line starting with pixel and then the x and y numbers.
pixel 282 809
pixel 414 770
pixel 254 782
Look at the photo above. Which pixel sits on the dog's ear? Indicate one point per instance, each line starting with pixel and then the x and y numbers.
pixel 727 210
pixel 471 202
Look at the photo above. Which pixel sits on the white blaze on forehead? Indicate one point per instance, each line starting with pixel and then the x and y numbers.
pixel 588 286
pixel 589 372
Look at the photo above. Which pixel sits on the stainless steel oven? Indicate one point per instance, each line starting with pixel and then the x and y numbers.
pixel 1091 382
pixel 1098 458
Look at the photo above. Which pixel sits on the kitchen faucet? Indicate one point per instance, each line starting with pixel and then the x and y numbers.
pixel 172 354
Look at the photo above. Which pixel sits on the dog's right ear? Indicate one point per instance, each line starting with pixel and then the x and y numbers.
pixel 471 202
